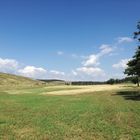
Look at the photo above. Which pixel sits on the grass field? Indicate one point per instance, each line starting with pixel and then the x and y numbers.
pixel 109 113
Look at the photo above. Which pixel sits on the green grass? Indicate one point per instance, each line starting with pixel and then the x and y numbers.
pixel 112 115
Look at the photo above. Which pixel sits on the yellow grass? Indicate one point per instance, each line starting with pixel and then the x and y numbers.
pixel 83 89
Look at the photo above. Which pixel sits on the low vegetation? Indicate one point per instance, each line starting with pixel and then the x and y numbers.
pixel 37 114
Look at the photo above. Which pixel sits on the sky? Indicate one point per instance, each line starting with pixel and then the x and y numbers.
pixel 67 39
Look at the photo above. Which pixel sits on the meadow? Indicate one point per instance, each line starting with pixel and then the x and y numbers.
pixel 102 112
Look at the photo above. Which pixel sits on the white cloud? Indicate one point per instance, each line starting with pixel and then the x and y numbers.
pixel 33 72
pixel 14 67
pixel 89 69
pixel 87 73
pixel 57 72
pixel 92 71
pixel 54 74
pixel 41 73
pixel 105 49
pixel 121 65
pixel 74 73
pixel 8 65
pixel 93 59
pixel 125 40
pixel 60 53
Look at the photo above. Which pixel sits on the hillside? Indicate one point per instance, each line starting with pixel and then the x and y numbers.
pixel 9 81
pixel 53 81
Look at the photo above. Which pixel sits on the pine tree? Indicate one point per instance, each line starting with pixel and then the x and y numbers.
pixel 134 64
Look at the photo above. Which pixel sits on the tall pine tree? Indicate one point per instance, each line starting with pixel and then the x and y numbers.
pixel 134 64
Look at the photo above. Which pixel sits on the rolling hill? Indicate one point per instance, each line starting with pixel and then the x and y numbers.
pixel 9 81
pixel 53 81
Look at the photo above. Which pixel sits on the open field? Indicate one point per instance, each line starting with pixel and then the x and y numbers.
pixel 64 90
pixel 100 113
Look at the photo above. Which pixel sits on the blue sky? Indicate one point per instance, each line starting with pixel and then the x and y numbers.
pixel 67 39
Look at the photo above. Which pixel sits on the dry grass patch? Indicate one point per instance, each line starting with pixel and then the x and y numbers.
pixel 68 90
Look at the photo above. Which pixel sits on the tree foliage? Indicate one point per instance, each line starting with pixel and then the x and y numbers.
pixel 134 64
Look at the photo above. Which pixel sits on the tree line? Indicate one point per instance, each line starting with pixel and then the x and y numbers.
pixel 110 81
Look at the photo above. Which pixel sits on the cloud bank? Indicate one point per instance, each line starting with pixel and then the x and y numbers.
pixel 14 67
pixel 8 65
pixel 122 64
pixel 89 68
pixel 33 72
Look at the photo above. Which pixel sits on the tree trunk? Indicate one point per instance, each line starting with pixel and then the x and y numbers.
pixel 138 81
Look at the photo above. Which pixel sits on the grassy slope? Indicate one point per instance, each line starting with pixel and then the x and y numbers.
pixel 9 81
pixel 103 115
